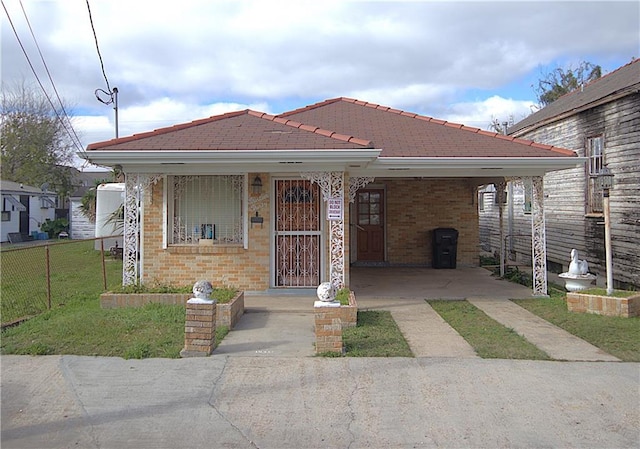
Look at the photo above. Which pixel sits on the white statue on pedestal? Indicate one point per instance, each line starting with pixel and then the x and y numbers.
pixel 578 277
pixel 202 293
pixel 577 266
pixel 326 292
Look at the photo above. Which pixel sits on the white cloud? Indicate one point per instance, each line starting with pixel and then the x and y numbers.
pixel 178 61
pixel 159 113
pixel 480 113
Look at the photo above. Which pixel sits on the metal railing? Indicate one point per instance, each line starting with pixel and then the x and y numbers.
pixel 40 275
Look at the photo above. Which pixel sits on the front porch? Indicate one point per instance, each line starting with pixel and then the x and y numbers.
pixel 384 285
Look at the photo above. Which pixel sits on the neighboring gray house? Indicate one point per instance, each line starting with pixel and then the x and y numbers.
pixel 24 209
pixel 601 122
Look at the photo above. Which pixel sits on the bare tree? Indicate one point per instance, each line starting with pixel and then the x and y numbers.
pixel 35 146
pixel 561 81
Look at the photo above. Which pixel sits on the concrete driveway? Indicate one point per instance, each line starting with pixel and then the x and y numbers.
pixel 306 402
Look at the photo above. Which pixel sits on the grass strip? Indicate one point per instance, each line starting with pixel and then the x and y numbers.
pixel 83 328
pixel 617 336
pixel 490 339
pixel 376 335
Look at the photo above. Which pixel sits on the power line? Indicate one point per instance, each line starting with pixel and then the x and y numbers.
pixel 112 93
pixel 53 84
pixel 95 38
pixel 64 123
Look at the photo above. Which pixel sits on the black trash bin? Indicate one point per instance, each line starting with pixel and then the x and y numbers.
pixel 445 247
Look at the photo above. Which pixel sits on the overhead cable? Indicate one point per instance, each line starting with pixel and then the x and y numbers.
pixel 53 84
pixel 65 123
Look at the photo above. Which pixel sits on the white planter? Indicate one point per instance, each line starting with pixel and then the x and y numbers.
pixel 577 282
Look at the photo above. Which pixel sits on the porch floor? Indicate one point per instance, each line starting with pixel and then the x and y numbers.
pixel 394 283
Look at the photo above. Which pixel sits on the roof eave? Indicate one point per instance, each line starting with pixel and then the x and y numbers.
pixel 467 167
pixel 147 161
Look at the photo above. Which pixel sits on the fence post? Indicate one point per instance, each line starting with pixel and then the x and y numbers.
pixel 104 268
pixel 47 264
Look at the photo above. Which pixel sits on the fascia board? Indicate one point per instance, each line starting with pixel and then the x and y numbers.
pixel 234 157
pixel 465 167
pixel 555 163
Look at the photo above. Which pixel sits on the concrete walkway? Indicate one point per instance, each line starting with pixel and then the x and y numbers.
pixel 282 326
pixel 556 342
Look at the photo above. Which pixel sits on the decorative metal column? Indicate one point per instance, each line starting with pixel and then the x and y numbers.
pixel 538 237
pixel 332 186
pixel 135 186
pixel 500 197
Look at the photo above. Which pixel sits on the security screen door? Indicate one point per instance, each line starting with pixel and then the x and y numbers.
pixel 297 233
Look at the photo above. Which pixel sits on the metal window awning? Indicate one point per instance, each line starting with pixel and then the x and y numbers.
pixel 47 202
pixel 15 203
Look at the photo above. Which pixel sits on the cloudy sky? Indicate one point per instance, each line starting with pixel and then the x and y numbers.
pixel 176 61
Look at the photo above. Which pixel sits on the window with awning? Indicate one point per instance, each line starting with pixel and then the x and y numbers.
pixel 13 202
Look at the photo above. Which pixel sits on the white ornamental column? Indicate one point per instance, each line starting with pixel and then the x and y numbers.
pixel 135 186
pixel 538 237
pixel 332 186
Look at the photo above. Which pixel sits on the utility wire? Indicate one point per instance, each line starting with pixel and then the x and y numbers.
pixel 44 63
pixel 95 38
pixel 64 123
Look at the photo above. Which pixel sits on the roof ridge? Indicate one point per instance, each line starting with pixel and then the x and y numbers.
pixel 435 121
pixel 168 129
pixel 309 107
pixel 313 129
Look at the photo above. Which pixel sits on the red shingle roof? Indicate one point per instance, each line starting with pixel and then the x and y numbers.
pixel 404 134
pixel 340 123
pixel 243 130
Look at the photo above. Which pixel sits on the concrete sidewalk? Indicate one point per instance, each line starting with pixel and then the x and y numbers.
pixel 312 402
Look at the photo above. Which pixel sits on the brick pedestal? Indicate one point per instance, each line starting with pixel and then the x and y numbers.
pixel 199 330
pixel 328 326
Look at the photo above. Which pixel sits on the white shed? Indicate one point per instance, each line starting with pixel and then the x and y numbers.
pixel 109 199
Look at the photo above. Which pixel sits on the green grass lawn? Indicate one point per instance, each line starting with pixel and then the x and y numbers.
pixel 81 327
pixel 75 272
pixel 617 336
pixel 490 339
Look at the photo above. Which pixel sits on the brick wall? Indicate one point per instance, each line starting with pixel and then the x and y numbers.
pixel 328 329
pixel 222 265
pixel 416 207
pixel 603 305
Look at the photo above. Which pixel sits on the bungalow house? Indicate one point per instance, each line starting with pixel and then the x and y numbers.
pixel 24 209
pixel 268 202
pixel 600 122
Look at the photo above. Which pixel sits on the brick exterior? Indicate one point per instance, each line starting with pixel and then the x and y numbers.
pixel 328 329
pixel 222 265
pixel 603 305
pixel 199 330
pixel 227 314
pixel 414 209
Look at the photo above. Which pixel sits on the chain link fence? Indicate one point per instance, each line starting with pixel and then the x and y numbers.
pixel 41 276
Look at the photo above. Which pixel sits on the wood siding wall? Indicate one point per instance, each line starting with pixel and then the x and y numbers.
pixel 568 225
